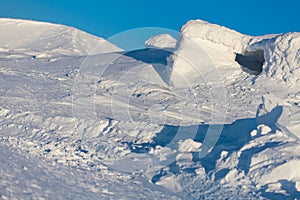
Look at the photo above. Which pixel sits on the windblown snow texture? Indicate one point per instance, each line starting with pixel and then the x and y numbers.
pixel 80 118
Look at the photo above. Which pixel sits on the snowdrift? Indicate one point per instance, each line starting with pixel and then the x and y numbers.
pixel 42 39
pixel 125 124
pixel 281 53
pixel 205 49
pixel 163 41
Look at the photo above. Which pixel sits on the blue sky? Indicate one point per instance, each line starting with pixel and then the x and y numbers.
pixel 109 17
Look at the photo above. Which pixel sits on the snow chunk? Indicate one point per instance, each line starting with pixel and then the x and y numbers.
pixel 189 145
pixel 297 185
pixel 3 112
pixel 163 41
pixel 253 133
pixel 224 154
pixel 286 116
pixel 171 182
pixel 263 129
pixel 200 172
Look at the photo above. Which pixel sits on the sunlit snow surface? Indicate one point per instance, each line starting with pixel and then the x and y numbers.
pixel 183 123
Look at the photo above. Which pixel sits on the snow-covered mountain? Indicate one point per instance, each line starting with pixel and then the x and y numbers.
pixel 212 115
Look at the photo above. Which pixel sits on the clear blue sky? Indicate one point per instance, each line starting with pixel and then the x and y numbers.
pixel 109 17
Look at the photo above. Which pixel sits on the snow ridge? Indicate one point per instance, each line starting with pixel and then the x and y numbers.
pixel 45 39
pixel 215 33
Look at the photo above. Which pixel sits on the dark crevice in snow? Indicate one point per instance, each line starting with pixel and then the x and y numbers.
pixel 251 61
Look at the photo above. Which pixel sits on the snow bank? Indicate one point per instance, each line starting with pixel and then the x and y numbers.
pixel 51 39
pixel 285 115
pixel 282 57
pixel 205 49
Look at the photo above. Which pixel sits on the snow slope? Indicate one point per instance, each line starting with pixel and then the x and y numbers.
pixel 45 39
pixel 148 124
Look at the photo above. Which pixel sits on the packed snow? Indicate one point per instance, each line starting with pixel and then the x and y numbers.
pixel 163 41
pixel 180 119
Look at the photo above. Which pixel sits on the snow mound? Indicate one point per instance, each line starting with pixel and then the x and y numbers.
pixel 163 41
pixel 288 115
pixel 37 38
pixel 215 33
pixel 282 57
pixel 202 49
pixel 206 50
pixel 189 146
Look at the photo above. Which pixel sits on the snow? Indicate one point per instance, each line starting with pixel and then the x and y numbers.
pixel 253 133
pixel 215 33
pixel 45 39
pixel 171 182
pixel 205 49
pixel 286 171
pixel 263 129
pixel 158 123
pixel 189 146
pixel 282 57
pixel 287 113
pixel 163 41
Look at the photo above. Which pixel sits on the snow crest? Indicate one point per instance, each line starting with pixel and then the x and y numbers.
pixel 215 33
pixel 42 39
pixel 163 41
